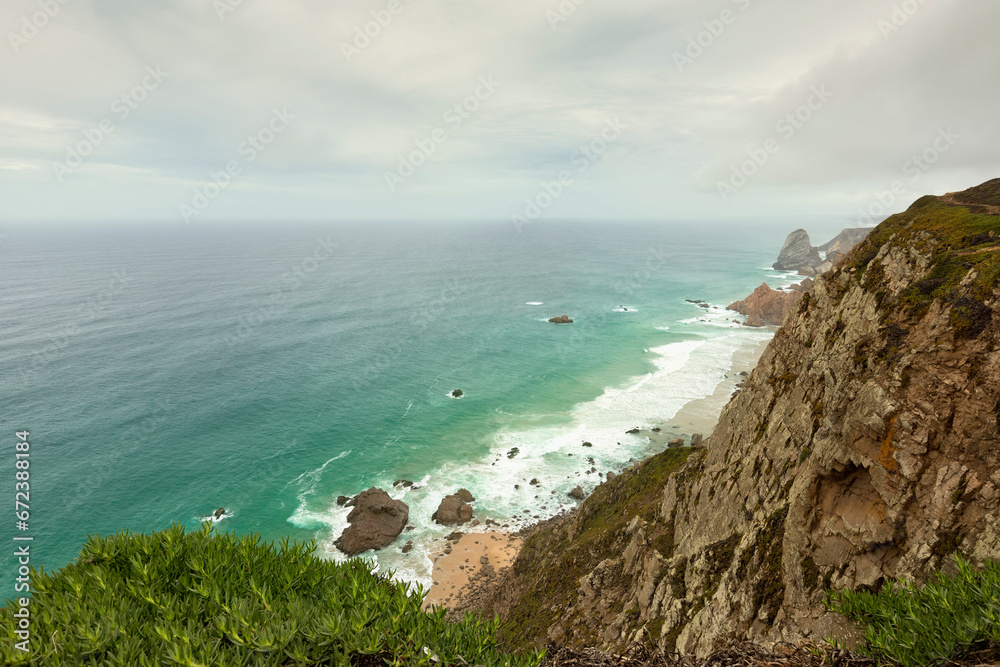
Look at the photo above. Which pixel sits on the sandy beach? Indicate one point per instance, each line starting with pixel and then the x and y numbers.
pixel 702 415
pixel 459 561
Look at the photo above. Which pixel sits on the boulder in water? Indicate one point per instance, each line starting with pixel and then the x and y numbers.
pixel 376 521
pixel 562 319
pixel 453 511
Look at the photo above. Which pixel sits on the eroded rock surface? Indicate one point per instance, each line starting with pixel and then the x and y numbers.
pixel 376 521
pixel 454 510
pixel 861 448
pixel 767 306
pixel 797 252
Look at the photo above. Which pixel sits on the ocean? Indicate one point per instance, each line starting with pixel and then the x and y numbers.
pixel 165 372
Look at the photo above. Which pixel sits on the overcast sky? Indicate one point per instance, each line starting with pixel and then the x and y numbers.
pixel 125 110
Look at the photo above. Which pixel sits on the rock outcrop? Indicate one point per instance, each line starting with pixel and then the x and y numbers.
pixel 454 510
pixel 561 319
pixel 843 242
pixel 376 521
pixel 861 449
pixel 768 307
pixel 797 253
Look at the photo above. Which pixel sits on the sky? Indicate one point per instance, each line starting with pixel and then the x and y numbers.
pixel 213 111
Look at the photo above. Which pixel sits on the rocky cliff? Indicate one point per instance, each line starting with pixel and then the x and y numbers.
pixel 797 253
pixel 863 447
pixel 768 306
pixel 843 242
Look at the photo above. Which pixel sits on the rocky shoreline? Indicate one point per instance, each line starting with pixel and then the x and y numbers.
pixel 455 579
pixel 377 521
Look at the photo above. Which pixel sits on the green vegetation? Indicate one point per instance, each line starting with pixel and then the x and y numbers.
pixel 765 556
pixel 919 625
pixel 560 552
pixel 960 239
pixel 176 598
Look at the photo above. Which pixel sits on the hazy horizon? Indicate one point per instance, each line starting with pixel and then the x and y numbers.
pixel 232 110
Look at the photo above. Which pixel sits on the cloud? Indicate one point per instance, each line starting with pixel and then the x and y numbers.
pixel 356 114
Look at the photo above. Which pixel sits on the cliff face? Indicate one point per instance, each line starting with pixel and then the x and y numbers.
pixel 863 447
pixel 797 253
pixel 843 242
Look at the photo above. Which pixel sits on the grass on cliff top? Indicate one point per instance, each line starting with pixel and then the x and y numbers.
pixel 961 241
pixel 552 583
pixel 198 598
pixel 915 626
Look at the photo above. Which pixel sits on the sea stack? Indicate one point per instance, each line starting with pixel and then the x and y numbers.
pixel 797 253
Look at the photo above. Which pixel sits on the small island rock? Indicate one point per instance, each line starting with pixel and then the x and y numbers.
pixel 562 319
pixel 375 522
pixel 452 511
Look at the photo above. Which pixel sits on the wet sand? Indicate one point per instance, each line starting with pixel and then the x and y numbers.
pixel 453 571
pixel 701 416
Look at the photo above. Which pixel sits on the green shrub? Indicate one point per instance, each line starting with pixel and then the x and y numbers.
pixel 198 598
pixel 919 625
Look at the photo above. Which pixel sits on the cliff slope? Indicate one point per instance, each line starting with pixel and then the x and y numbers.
pixel 861 448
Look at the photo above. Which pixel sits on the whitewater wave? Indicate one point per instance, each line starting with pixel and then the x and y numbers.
pixel 211 518
pixel 548 449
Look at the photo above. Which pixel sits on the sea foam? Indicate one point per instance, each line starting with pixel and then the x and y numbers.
pixel 549 449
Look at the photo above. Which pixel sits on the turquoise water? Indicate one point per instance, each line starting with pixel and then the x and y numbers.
pixel 166 372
